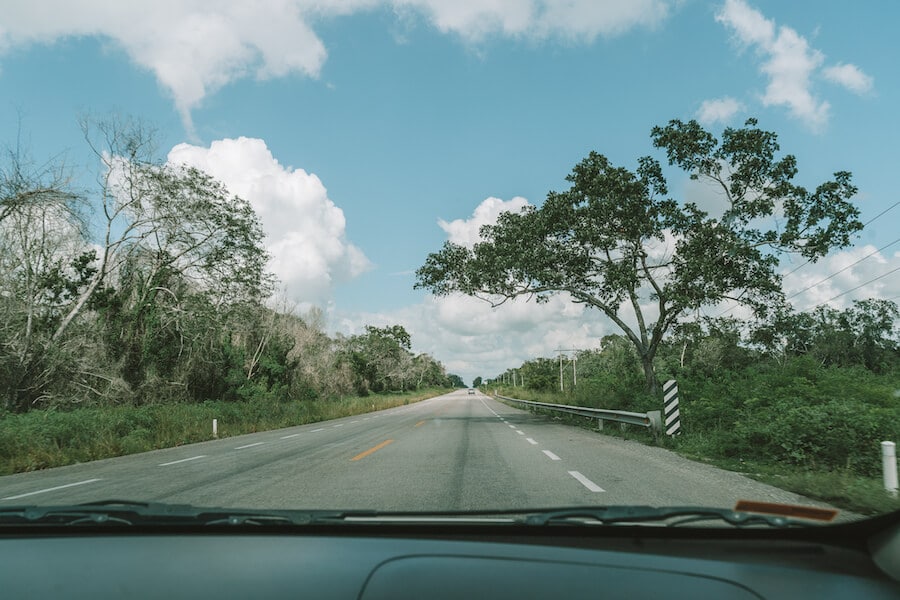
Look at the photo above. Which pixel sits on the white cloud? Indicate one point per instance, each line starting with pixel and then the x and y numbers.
pixel 789 63
pixel 466 231
pixel 849 76
pixel 195 47
pixel 305 230
pixel 575 19
pixel 719 110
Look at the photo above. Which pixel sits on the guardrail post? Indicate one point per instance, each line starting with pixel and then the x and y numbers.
pixel 670 403
pixel 889 463
pixel 215 428
pixel 655 417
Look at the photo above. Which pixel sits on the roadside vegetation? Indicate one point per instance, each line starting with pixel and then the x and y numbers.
pixel 42 439
pixel 802 403
pixel 134 312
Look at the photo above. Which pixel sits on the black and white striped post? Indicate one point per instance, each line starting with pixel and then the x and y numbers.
pixel 670 405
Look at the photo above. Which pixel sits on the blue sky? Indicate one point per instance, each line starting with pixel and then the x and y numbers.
pixel 357 127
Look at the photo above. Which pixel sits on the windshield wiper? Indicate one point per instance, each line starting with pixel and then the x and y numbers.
pixel 126 512
pixel 670 516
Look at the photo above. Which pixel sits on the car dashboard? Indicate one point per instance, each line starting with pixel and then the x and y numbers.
pixel 400 561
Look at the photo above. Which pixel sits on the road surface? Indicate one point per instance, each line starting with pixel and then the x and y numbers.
pixel 452 452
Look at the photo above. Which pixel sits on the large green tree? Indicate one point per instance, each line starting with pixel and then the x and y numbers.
pixel 604 240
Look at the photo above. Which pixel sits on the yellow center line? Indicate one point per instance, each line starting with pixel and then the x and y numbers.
pixel 419 423
pixel 362 455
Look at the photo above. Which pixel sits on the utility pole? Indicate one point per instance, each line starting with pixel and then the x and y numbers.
pixel 574 360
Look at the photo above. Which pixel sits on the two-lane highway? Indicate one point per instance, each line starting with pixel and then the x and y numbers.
pixel 453 452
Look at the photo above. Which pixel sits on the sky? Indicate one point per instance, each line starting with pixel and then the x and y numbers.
pixel 366 133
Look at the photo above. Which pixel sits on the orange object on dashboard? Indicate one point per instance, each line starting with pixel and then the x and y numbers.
pixel 796 511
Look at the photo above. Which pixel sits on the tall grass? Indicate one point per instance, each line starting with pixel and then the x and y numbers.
pixel 49 438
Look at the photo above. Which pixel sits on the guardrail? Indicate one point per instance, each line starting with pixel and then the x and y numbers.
pixel 651 420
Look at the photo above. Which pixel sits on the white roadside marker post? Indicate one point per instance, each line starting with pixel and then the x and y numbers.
pixel 215 428
pixel 889 462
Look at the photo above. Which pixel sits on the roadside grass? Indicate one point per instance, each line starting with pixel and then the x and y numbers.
pixel 842 488
pixel 48 438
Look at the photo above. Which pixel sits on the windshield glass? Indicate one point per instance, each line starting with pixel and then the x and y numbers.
pixel 449 255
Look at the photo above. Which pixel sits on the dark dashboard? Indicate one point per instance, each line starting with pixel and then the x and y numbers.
pixel 447 561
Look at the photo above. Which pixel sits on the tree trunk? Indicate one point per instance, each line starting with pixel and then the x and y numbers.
pixel 651 384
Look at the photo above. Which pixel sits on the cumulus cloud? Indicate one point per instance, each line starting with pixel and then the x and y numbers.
pixel 195 47
pixel 789 63
pixel 850 77
pixel 465 232
pixel 719 110
pixel 305 230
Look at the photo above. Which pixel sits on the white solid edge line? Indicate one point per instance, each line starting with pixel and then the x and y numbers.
pixel 586 482
pixel 53 489
pixel 531 441
pixel 550 455
pixel 175 462
pixel 284 437
pixel 250 445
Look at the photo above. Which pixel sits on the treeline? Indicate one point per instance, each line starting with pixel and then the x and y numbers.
pixel 817 389
pixel 151 287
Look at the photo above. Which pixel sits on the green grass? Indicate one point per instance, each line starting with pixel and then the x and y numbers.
pixel 48 438
pixel 841 488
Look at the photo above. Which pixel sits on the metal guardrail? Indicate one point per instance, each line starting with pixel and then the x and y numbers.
pixel 652 420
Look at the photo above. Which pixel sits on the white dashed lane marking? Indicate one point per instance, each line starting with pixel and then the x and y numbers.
pixel 586 482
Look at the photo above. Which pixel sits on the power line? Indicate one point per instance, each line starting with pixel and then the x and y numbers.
pixel 894 270
pixel 795 294
pixel 881 213
pixel 866 224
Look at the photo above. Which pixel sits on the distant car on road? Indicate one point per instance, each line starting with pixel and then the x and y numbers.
pixel 471 390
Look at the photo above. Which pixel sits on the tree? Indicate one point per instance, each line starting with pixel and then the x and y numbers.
pixel 604 241
pixel 163 218
pixel 863 334
pixel 43 264
pixel 455 381
pixel 380 358
pixel 476 382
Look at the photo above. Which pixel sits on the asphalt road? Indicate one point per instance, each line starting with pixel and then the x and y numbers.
pixel 456 451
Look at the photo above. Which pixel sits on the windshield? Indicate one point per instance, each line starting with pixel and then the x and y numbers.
pixel 436 256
